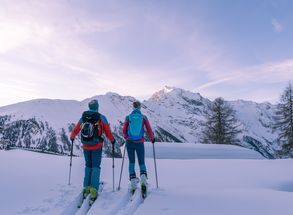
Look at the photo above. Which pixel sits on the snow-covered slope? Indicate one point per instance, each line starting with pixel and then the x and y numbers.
pixel 35 183
pixel 176 115
pixel 200 151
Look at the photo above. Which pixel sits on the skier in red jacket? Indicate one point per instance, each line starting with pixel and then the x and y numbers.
pixel 92 125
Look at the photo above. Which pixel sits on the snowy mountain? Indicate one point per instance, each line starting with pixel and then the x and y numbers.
pixel 176 115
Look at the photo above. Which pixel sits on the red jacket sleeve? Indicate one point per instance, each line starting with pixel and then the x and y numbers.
pixel 75 131
pixel 125 129
pixel 148 128
pixel 107 130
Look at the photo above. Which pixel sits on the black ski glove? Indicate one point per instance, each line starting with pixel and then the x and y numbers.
pixel 113 142
pixel 153 141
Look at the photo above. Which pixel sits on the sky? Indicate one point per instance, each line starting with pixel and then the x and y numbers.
pixel 76 49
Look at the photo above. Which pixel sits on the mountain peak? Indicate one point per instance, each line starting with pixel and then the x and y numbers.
pixel 163 92
pixel 168 89
pixel 174 92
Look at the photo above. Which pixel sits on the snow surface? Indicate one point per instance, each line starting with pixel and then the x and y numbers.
pixel 199 151
pixel 35 183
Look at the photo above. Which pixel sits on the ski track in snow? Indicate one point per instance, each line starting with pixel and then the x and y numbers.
pixel 51 202
pixel 106 203
pixel 72 207
pixel 117 203
pixel 85 207
pixel 131 206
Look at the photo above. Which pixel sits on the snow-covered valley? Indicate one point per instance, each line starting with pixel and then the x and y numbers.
pixel 193 179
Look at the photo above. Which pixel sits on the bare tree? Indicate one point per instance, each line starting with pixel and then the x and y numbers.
pixel 222 125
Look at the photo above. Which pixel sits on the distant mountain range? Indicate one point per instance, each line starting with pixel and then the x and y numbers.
pixel 176 115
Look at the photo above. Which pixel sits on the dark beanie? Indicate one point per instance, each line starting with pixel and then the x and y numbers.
pixel 136 105
pixel 94 105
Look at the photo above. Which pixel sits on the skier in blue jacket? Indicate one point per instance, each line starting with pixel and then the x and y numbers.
pixel 133 132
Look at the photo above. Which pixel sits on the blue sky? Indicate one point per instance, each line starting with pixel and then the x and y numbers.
pixel 75 49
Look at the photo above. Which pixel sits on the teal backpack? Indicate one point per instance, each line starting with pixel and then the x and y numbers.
pixel 135 128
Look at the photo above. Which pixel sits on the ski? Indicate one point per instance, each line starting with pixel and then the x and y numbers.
pixel 90 201
pixel 134 195
pixel 84 207
pixel 133 187
pixel 143 184
pixel 131 194
pixel 143 191
pixel 81 199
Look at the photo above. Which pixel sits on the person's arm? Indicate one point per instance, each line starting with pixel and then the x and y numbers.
pixel 125 128
pixel 75 130
pixel 107 129
pixel 149 129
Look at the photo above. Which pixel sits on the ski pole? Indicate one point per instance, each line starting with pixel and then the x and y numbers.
pixel 113 165
pixel 121 167
pixel 70 165
pixel 155 165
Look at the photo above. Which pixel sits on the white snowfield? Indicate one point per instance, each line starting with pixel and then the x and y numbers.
pixel 199 151
pixel 203 184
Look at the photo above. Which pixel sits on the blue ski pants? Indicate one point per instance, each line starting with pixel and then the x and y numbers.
pixel 137 147
pixel 93 160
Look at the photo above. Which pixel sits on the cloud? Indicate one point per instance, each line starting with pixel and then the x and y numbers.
pixel 33 22
pixel 262 82
pixel 214 82
pixel 265 73
pixel 12 36
pixel 268 73
pixel 92 26
pixel 130 50
pixel 278 27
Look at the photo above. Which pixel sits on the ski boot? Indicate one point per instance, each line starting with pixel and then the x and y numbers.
pixel 133 184
pixel 86 191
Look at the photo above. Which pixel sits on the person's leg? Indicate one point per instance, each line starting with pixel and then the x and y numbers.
pixel 141 157
pixel 131 158
pixel 96 168
pixel 87 171
pixel 94 177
